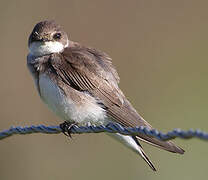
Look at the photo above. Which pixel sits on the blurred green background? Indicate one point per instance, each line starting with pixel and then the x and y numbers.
pixel 160 49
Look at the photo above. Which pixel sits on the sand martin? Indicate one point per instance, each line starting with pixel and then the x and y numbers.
pixel 80 85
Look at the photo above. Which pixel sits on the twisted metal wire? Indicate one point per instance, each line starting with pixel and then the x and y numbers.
pixel 110 128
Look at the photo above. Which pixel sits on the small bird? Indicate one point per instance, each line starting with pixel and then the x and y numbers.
pixel 80 85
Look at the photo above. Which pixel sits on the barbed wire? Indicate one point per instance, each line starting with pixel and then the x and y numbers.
pixel 110 128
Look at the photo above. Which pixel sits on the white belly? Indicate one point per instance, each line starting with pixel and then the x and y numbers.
pixel 67 109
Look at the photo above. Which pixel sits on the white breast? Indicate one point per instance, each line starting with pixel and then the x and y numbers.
pixel 66 108
pixel 44 48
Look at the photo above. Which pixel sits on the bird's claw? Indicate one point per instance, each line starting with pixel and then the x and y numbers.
pixel 66 127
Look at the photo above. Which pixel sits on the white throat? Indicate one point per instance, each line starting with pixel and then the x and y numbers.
pixel 45 48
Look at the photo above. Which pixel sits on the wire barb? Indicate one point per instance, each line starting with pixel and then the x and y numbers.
pixel 110 128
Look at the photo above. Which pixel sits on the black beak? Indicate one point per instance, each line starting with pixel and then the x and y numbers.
pixel 36 37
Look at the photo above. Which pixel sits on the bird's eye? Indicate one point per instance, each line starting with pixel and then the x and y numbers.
pixel 57 36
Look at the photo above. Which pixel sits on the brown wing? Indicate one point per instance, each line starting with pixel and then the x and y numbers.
pixel 92 71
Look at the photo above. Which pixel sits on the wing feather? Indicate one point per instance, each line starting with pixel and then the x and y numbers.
pixel 92 71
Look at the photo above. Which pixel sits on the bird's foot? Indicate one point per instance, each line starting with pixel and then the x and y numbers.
pixel 66 127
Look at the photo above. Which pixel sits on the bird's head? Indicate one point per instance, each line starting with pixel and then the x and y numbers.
pixel 46 38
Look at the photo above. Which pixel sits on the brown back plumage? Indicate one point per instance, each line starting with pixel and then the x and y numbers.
pixel 90 70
